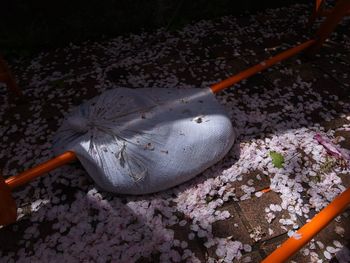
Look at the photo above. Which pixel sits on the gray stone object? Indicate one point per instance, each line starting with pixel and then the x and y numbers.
pixel 140 141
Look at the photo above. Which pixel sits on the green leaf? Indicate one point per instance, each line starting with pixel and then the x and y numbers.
pixel 277 159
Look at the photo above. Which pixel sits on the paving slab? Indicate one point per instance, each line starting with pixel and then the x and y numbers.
pixel 254 212
pixel 255 179
pixel 252 257
pixel 232 227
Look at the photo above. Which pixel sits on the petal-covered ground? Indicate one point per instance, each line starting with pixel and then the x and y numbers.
pixel 293 122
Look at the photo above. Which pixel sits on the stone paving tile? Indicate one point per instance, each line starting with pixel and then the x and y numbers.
pixel 334 123
pixel 345 177
pixel 233 226
pixel 346 135
pixel 250 257
pixel 256 179
pixel 195 245
pixel 254 212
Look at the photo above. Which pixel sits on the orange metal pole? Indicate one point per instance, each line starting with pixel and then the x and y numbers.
pixel 67 157
pixel 316 12
pixel 310 229
pixel 23 178
pixel 341 9
pixel 261 66
pixel 266 190
pixel 318 4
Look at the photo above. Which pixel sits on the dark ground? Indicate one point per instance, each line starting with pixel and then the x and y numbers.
pixel 27 27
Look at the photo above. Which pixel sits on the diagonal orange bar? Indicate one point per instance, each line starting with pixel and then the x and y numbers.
pixel 310 229
pixel 23 178
pixel 318 4
pixel 341 9
pixel 261 66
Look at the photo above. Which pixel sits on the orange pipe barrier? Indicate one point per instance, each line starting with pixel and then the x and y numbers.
pixel 341 9
pixel 310 229
pixel 316 12
pixel 318 4
pixel 261 66
pixel 67 157
pixel 266 190
pixel 22 178
pixel 319 11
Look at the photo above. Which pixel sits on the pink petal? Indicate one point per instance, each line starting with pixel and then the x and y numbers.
pixel 330 147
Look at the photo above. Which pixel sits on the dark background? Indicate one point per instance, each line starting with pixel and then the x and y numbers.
pixel 27 26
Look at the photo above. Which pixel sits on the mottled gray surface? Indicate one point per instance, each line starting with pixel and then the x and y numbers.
pixel 141 141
